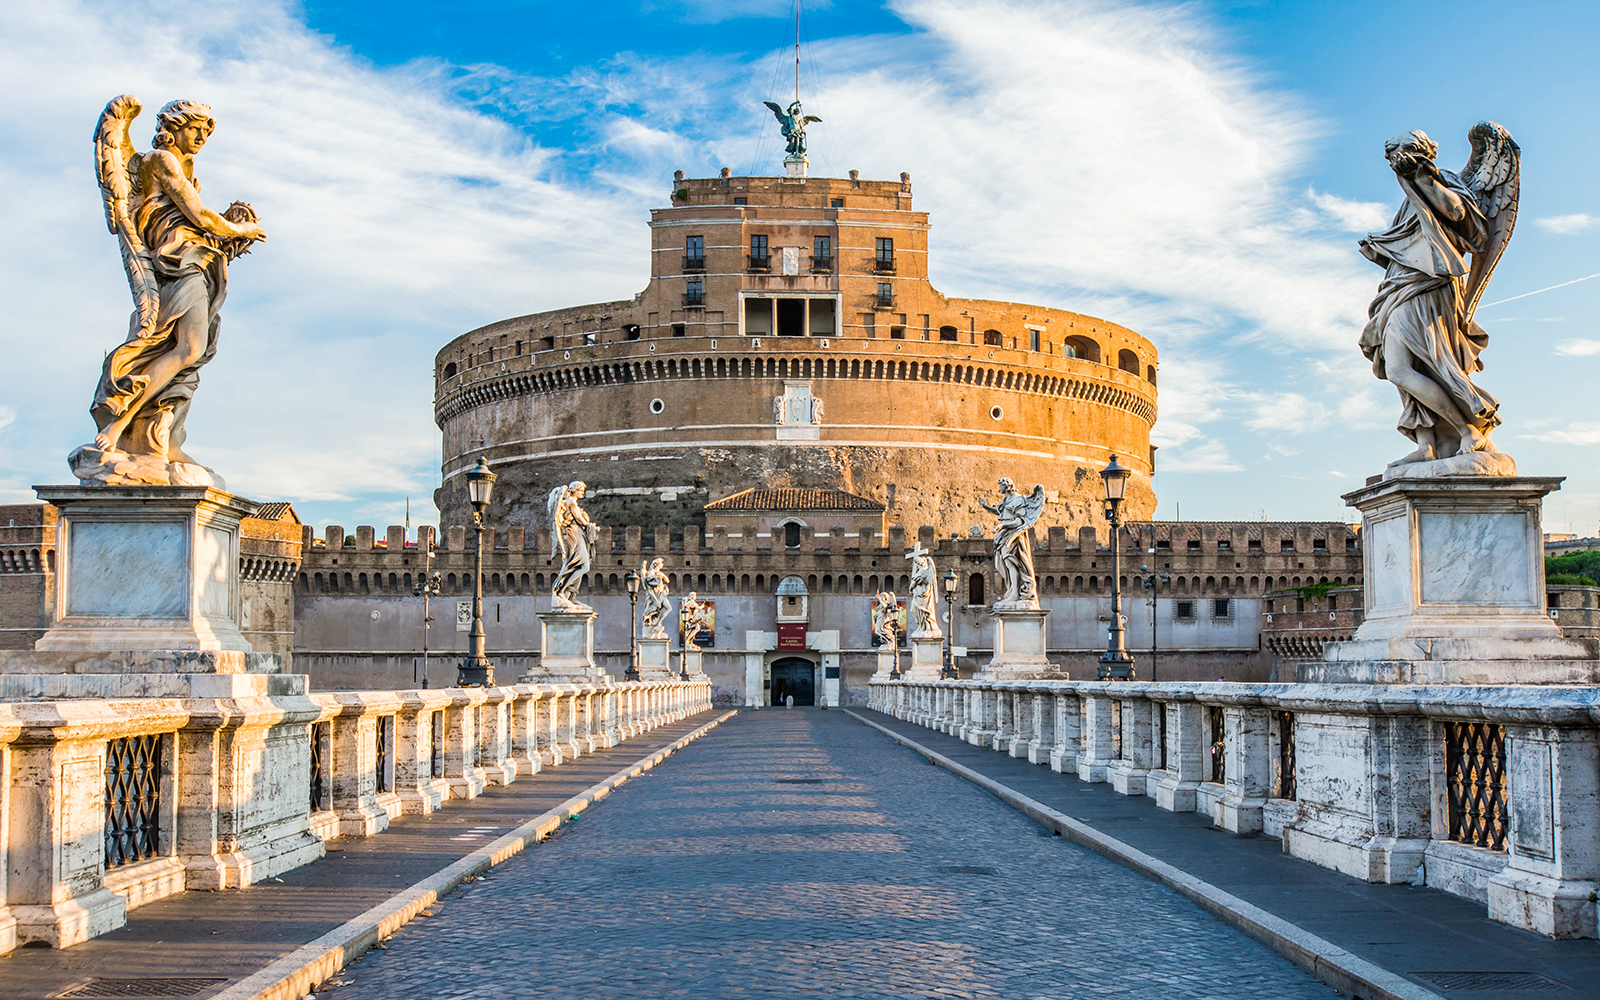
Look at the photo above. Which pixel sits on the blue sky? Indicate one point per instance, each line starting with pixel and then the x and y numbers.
pixel 1200 172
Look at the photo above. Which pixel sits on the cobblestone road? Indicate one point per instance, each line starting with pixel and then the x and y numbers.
pixel 800 854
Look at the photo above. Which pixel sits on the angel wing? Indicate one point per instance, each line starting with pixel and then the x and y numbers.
pixel 1494 176
pixel 808 119
pixel 553 507
pixel 777 109
pixel 1033 507
pixel 116 167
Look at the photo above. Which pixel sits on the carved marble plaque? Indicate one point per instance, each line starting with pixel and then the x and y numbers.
pixel 1460 552
pixel 1532 805
pixel 791 260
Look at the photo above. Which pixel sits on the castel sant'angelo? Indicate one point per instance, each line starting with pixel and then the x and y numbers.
pixel 789 337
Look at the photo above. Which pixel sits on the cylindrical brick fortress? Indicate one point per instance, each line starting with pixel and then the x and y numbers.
pixel 789 337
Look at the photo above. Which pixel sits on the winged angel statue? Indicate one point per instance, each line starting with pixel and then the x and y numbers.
pixel 572 540
pixel 793 123
pixel 175 251
pixel 1421 334
pixel 1013 555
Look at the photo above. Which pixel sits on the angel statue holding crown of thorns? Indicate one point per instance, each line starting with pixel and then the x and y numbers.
pixel 175 251
pixel 1421 334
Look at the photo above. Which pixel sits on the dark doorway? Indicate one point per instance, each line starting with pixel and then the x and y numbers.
pixel 794 676
pixel 791 317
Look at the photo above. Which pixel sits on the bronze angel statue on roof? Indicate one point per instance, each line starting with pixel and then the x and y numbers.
pixel 793 123
pixel 1421 334
pixel 175 251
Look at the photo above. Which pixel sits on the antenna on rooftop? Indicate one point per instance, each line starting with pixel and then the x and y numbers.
pixel 797 51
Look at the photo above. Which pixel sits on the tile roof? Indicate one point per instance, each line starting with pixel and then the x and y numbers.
pixel 794 499
pixel 275 511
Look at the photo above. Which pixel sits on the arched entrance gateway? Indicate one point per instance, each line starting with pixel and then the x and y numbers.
pixel 794 675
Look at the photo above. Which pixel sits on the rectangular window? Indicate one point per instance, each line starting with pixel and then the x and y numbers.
pixel 836 203
pixel 1287 545
pixel 631 331
pixel 1034 338
pixel 741 201
pixel 1224 545
pixel 519 348
pixel 678 330
pixel 885 294
pixel 694 292
pixel 1254 545
pixel 589 339
pixel 1222 607
pixel 1183 610
pixel 1319 545
pixel 821 321
pixel 897 333
pixel 694 253
pixel 1194 545
pixel 758 252
pixel 884 261
pixel 757 317
pixel 1350 544
pixel 947 333
pixel 822 253
pixel 385 750
pixel 1163 545
pixel 134 772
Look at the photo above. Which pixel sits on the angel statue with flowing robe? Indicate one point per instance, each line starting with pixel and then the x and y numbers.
pixel 1421 334
pixel 656 600
pixel 886 619
pixel 1013 554
pixel 693 616
pixel 793 123
pixel 572 540
pixel 175 251
pixel 924 602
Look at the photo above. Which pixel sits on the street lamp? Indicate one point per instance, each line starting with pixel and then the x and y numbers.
pixel 949 671
pixel 1151 582
pixel 427 588
pixel 1116 664
pixel 632 580
pixel 476 670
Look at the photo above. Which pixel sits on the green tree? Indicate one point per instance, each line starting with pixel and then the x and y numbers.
pixel 1581 568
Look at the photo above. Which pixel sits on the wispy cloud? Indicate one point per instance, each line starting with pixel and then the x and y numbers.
pixel 1352 216
pixel 1578 347
pixel 1579 432
pixel 1566 224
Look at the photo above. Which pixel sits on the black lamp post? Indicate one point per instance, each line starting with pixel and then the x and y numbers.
pixel 632 580
pixel 476 670
pixel 949 671
pixel 1116 664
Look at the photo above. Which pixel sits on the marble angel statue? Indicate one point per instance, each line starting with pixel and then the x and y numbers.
pixel 1013 553
pixel 886 618
pixel 793 124
pixel 1421 334
pixel 175 251
pixel 572 540
pixel 693 616
pixel 924 602
pixel 657 602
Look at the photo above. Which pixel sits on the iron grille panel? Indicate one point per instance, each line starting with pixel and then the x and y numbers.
pixel 438 745
pixel 133 799
pixel 1475 775
pixel 98 987
pixel 1526 982
pixel 1286 786
pixel 319 780
pixel 385 734
pixel 1219 746
pixel 1116 730
pixel 1161 736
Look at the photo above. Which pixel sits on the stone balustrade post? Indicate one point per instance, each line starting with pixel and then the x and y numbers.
pixel 461 767
pixel 421 791
pixel 1021 722
pixel 494 737
pixel 1044 726
pixel 1069 731
pixel 1097 754
pixel 546 709
pixel 525 730
pixel 567 721
pixel 1129 774
pixel 1004 720
pixel 355 768
pixel 983 724
pixel 1177 786
pixel 1248 768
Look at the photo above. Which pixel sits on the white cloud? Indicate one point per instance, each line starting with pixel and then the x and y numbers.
pixel 1578 347
pixel 1207 455
pixel 1353 216
pixel 1566 224
pixel 1284 411
pixel 1579 432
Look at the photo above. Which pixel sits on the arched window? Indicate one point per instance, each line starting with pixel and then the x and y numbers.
pixel 761 582
pixel 1128 362
pixel 1083 347
pixel 975 589
pixel 991 338
pixel 450 370
pixel 791 535
pixel 1150 374
pixel 947 333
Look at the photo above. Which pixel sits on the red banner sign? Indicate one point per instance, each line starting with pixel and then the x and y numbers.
pixel 791 635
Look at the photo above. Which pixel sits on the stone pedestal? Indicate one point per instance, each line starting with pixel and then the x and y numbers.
pixel 796 166
pixel 567 645
pixel 1454 589
pixel 1019 647
pixel 693 662
pixel 887 657
pixel 146 568
pixel 655 659
pixel 927 658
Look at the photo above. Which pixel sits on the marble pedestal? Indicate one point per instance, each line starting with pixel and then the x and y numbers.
pixel 567 645
pixel 927 658
pixel 1018 646
pixel 693 662
pixel 655 659
pixel 1453 580
pixel 888 656
pixel 146 568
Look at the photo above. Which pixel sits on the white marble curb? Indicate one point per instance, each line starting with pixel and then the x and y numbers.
pixel 293 975
pixel 1347 973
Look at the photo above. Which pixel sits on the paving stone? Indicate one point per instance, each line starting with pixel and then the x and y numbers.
pixel 709 878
